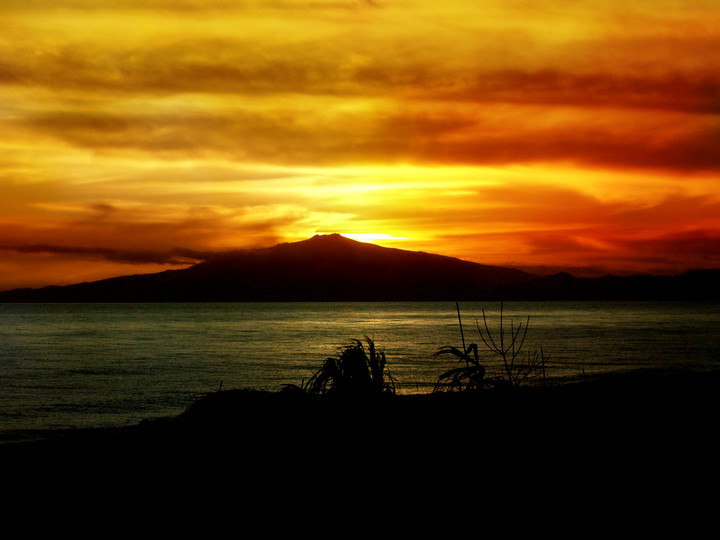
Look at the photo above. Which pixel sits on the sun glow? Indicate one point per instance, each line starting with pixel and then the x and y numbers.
pixel 460 128
pixel 371 237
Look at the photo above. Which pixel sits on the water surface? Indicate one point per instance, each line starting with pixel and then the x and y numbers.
pixel 87 365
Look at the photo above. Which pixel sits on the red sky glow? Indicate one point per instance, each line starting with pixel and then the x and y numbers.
pixel 142 135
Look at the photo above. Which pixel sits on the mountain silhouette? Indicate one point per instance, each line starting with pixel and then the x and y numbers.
pixel 334 268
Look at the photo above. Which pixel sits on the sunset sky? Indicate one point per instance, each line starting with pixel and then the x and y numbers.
pixel 141 135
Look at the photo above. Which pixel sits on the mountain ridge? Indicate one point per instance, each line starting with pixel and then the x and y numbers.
pixel 335 268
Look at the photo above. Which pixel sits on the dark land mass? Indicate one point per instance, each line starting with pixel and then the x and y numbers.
pixel 636 417
pixel 334 268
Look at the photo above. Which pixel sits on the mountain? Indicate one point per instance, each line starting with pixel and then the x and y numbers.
pixel 334 268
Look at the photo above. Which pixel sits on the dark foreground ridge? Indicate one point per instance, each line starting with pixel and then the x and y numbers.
pixel 334 268
pixel 613 412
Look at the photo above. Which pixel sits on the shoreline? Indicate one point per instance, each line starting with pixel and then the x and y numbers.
pixel 613 406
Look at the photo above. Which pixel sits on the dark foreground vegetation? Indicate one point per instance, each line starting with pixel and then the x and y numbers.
pixel 658 410
pixel 349 410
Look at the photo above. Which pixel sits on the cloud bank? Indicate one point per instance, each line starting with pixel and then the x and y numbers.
pixel 566 134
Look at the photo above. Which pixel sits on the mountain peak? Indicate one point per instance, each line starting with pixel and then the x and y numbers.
pixel 325 267
pixel 331 238
pixel 320 240
pixel 330 245
pixel 330 267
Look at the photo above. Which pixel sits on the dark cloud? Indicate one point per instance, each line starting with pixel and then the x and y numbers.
pixel 348 66
pixel 307 137
pixel 284 137
pixel 672 91
pixel 145 236
pixel 691 148
pixel 205 65
pixel 185 5
pixel 594 251
pixel 433 112
pixel 689 249
pixel 676 210
pixel 175 256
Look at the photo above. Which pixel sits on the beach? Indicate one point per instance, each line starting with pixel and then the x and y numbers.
pixel 644 409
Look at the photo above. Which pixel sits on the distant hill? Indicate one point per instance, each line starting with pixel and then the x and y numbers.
pixel 335 268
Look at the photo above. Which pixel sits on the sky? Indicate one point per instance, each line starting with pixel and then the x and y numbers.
pixel 144 135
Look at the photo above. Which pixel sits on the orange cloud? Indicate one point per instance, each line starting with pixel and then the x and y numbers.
pixel 136 133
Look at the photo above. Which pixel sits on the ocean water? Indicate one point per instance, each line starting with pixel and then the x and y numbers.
pixel 95 365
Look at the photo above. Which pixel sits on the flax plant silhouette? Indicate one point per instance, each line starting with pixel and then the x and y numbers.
pixel 356 370
pixel 471 376
pixel 505 344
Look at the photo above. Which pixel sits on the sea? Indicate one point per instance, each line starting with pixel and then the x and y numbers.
pixel 69 366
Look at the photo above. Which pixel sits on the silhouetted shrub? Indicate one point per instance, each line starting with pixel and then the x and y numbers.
pixel 517 367
pixel 471 376
pixel 507 344
pixel 356 370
